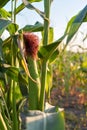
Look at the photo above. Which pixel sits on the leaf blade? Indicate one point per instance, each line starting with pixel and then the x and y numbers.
pixel 75 23
pixel 3 24
pixel 3 3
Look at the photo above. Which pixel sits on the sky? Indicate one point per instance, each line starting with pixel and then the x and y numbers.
pixel 61 12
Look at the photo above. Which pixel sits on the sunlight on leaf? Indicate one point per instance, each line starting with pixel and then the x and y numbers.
pixel 34 0
pixel 4 13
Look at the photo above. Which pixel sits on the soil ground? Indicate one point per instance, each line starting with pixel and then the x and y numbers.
pixel 75 107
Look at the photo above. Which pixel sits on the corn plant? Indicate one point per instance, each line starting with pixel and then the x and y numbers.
pixel 23 76
pixel 19 63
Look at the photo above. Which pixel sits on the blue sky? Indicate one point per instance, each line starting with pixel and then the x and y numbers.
pixel 61 12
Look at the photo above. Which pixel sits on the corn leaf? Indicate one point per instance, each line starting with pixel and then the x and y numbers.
pixel 46 52
pixel 30 6
pixel 4 13
pixel 12 28
pixel 34 0
pixel 2 123
pixel 75 23
pixel 3 24
pixel 33 28
pixel 3 3
pixel 54 56
pixel 12 72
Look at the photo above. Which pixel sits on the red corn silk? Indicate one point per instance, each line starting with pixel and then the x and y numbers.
pixel 31 42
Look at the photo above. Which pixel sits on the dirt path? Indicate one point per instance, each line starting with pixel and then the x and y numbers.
pixel 75 106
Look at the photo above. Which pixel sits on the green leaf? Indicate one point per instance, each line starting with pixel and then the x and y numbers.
pixel 3 69
pixel 51 35
pixel 2 123
pixel 23 78
pixel 4 13
pixel 12 28
pixel 10 49
pixel 33 28
pixel 5 122
pixel 69 24
pixel 48 82
pixel 20 8
pixel 23 83
pixel 75 23
pixel 23 89
pixel 83 69
pixel 1 47
pixel 3 24
pixel 45 52
pixel 3 3
pixel 13 72
pixel 20 104
pixel 30 6
pixel 54 56
pixel 6 47
pixel 34 0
